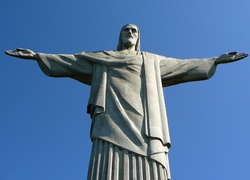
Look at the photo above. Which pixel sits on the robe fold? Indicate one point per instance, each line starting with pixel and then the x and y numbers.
pixel 126 101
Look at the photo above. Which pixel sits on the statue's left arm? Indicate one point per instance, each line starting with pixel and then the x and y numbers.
pixel 175 71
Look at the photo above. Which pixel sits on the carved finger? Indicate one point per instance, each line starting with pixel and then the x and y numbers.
pixel 245 54
pixel 9 52
pixel 20 49
pixel 241 56
pixel 232 53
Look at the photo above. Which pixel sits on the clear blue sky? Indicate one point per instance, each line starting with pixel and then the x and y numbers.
pixel 44 128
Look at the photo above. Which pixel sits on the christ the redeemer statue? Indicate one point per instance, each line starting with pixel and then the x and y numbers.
pixel 129 124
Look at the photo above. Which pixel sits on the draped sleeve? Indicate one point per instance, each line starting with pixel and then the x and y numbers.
pixel 66 65
pixel 175 71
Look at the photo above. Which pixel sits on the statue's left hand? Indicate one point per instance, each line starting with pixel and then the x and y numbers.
pixel 22 53
pixel 230 57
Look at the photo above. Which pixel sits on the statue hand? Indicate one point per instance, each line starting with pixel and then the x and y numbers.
pixel 22 53
pixel 230 57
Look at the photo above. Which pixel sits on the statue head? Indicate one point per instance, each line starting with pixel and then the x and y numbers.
pixel 129 38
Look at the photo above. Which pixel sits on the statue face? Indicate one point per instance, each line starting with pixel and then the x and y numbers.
pixel 129 36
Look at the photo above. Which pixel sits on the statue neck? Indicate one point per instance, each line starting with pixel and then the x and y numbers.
pixel 132 48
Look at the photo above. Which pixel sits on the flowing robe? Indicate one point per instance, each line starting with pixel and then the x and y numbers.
pixel 126 101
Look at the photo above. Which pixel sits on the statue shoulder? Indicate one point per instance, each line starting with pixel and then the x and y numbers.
pixel 153 55
pixel 96 53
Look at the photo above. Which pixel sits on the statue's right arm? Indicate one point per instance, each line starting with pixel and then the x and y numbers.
pixel 58 65
pixel 23 54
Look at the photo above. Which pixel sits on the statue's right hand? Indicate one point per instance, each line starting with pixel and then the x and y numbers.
pixel 22 53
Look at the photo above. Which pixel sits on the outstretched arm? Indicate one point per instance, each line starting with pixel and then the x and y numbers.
pixel 230 57
pixel 175 71
pixel 23 53
pixel 58 65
